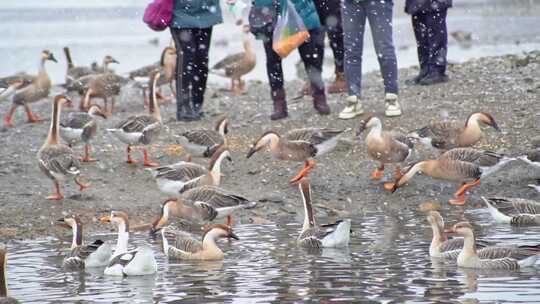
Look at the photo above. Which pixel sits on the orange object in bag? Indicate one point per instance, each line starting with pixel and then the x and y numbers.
pixel 290 31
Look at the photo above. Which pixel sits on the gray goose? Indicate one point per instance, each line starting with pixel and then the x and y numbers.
pixel 182 176
pixel 448 135
pixel 514 211
pixel 4 292
pixel 80 84
pixel 106 85
pixel 299 145
pixel 56 160
pixel 465 165
pixel 82 127
pixel 141 129
pixel 202 204
pixel 384 147
pixel 185 247
pixel 75 72
pixel 37 90
pixel 96 254
pixel 204 142
pixel 495 257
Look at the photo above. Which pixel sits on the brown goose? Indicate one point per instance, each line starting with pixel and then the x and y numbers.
pixel 57 160
pixel 75 72
pixel 499 257
pixel 96 254
pixel 182 176
pixel 37 90
pixel 104 86
pixel 80 84
pixel 384 147
pixel 299 145
pixel 82 127
pixel 4 292
pixel 202 204
pixel 447 135
pixel 514 211
pixel 204 142
pixel 465 165
pixel 141 129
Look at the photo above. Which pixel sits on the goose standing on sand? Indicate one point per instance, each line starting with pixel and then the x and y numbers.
pixel 300 145
pixel 202 204
pixel 106 85
pixel 141 129
pixel 96 254
pixel 185 247
pixel 204 142
pixel 514 211
pixel 4 292
pixel 499 257
pixel 82 127
pixel 56 160
pixel 182 176
pixel 384 147
pixel 328 235
pixel 448 135
pixel 80 85
pixel 140 261
pixel 37 90
pixel 465 165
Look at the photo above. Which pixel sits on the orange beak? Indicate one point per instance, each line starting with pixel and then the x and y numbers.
pixel 105 219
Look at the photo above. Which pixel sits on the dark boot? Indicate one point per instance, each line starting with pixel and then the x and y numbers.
pixel 184 112
pixel 280 105
pixel 416 79
pixel 433 77
pixel 197 108
pixel 339 85
pixel 319 100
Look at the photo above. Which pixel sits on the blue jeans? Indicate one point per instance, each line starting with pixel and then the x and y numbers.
pixel 379 15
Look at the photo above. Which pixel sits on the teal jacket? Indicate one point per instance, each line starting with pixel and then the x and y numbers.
pixel 305 8
pixel 196 13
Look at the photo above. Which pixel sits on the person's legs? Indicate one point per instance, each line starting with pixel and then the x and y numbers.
pixel 185 50
pixel 312 53
pixel 437 43
pixel 422 46
pixel 275 78
pixel 380 21
pixel 200 71
pixel 353 16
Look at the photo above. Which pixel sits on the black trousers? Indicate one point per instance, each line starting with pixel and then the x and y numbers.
pixel 192 47
pixel 431 39
pixel 311 52
pixel 329 12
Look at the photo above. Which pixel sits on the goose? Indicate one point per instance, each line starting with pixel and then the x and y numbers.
pixel 204 142
pixel 75 72
pixel 514 211
pixel 23 77
pixel 465 165
pixel 80 84
pixel 56 160
pixel 104 86
pixel 82 127
pixel 300 145
pixel 140 261
pixel 4 292
pixel 237 65
pixel 96 254
pixel 186 247
pixel 532 158
pixel 37 90
pixel 441 246
pixel 205 203
pixel 141 129
pixel 499 257
pixel 448 135
pixel 384 147
pixel 11 89
pixel 177 178
pixel 313 236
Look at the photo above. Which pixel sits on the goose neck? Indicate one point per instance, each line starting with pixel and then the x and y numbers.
pixel 153 107
pixel 77 235
pixel 3 277
pixel 52 138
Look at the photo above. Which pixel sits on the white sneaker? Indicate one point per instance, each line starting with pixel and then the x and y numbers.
pixel 353 108
pixel 391 105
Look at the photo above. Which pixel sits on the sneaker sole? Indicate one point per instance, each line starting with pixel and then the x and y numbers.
pixel 392 113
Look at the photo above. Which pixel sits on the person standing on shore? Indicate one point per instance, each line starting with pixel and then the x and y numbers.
pixel 311 52
pixel 429 25
pixel 191 29
pixel 354 16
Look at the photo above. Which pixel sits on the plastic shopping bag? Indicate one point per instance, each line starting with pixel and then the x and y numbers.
pixel 290 31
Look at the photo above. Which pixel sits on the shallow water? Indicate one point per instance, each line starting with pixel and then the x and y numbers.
pixel 387 262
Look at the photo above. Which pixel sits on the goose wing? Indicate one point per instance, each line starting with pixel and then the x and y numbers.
pixel 210 139
pixel 187 243
pixel 123 259
pixel 59 159
pixel 443 135
pixel 315 136
pixel 513 252
pixel 181 171
pixel 79 254
pixel 480 158
pixel 77 120
pixel 136 123
pixel 230 63
pixel 215 196
pixel 515 205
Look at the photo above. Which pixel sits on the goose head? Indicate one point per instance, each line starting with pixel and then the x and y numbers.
pixel 218 231
pixel 119 218
pixel 367 123
pixel 262 142
pixel 222 125
pixel 47 55
pixel 436 221
pixel 464 229
pixel 166 208
pixel 69 221
pixel 96 110
pixel 484 118
pixel 61 99
pixel 108 59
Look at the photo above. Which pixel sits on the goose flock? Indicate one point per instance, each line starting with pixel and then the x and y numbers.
pixel 194 190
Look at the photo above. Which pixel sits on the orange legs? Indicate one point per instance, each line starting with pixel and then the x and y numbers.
pixel 397 176
pixel 378 173
pixel 81 185
pixel 460 198
pixel 308 166
pixel 7 120
pixel 129 159
pixel 229 220
pixel 57 195
pixel 147 162
pixel 31 117
pixel 86 157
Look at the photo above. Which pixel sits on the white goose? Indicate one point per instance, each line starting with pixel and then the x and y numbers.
pixel 329 235
pixel 140 261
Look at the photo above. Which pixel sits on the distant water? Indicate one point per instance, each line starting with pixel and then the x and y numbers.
pixel 94 28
